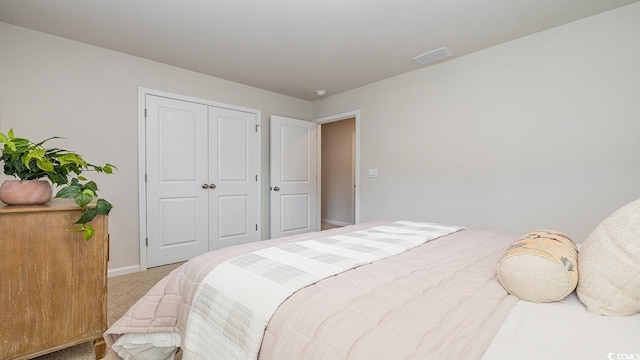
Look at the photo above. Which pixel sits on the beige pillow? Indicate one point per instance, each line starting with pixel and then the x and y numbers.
pixel 540 266
pixel 609 264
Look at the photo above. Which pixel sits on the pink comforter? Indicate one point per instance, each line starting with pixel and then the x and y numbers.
pixel 165 307
pixel 439 300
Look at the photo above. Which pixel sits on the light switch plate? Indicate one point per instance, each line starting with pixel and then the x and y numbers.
pixel 373 173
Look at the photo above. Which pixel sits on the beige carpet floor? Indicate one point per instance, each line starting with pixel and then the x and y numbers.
pixel 122 293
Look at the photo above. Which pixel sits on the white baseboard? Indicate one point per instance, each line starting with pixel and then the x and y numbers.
pixel 335 222
pixel 123 271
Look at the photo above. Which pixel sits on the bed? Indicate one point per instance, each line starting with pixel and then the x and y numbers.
pixel 436 299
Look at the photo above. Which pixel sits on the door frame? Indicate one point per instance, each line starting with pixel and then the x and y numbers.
pixel 328 119
pixel 142 165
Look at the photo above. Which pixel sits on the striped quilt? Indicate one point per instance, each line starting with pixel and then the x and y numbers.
pixel 227 319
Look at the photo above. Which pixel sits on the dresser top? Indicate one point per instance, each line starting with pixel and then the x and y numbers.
pixel 52 205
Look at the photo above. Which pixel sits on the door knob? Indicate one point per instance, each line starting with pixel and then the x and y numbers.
pixel 276 189
pixel 212 186
pixel 205 186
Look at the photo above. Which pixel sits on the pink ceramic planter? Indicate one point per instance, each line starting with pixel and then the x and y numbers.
pixel 25 192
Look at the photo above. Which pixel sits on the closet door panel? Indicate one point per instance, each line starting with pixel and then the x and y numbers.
pixel 232 171
pixel 176 160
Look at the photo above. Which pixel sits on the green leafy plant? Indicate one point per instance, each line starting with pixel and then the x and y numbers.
pixel 28 160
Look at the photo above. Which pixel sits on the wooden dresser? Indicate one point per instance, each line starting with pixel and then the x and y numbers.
pixel 53 283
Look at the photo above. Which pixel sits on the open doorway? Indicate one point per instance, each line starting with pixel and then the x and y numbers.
pixel 338 173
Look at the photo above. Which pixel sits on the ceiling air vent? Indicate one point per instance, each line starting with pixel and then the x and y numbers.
pixel 433 55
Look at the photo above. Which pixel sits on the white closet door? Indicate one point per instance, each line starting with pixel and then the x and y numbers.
pixel 202 167
pixel 293 176
pixel 176 160
pixel 233 177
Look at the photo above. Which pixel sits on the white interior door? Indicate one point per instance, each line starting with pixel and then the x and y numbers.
pixel 176 160
pixel 293 192
pixel 233 177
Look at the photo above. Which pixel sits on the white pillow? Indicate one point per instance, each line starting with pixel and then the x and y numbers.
pixel 609 264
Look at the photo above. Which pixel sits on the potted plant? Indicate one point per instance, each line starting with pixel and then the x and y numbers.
pixel 31 162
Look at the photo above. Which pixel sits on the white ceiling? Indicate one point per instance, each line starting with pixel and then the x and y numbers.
pixel 294 47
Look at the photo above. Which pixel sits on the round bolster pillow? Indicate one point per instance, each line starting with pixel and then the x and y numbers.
pixel 540 267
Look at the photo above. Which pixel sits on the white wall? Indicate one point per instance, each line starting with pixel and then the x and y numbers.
pixel 539 132
pixel 337 171
pixel 54 86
